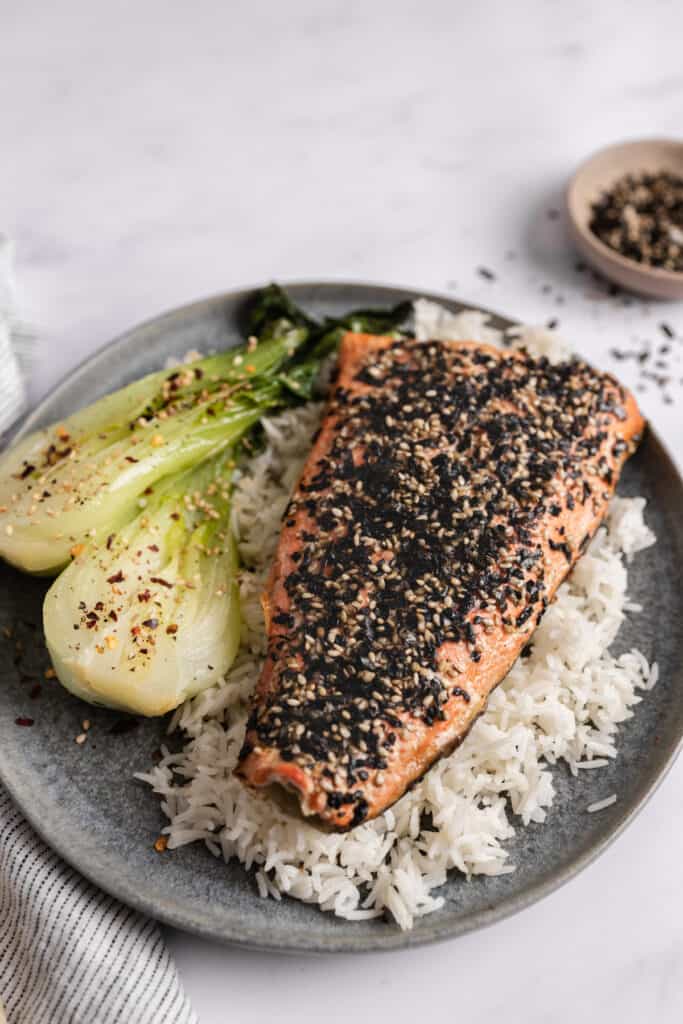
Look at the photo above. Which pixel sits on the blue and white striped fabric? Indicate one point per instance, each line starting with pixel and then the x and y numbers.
pixel 69 954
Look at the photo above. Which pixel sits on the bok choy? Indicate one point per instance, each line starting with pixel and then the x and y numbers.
pixel 79 480
pixel 150 616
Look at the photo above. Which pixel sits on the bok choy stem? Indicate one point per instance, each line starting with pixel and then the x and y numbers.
pixel 151 616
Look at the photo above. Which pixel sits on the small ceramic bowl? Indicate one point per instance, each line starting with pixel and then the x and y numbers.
pixel 595 175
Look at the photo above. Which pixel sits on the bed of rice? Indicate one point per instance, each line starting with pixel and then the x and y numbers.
pixel 564 702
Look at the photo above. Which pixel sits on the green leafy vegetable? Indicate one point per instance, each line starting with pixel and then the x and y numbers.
pixel 272 309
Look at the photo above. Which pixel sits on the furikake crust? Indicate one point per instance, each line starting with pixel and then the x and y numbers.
pixel 430 537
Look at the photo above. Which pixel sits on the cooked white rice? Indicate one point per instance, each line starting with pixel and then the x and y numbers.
pixel 564 702
pixel 601 805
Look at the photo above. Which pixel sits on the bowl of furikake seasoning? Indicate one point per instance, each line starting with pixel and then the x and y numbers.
pixel 625 207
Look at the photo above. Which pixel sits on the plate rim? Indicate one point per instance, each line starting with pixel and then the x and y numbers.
pixel 95 871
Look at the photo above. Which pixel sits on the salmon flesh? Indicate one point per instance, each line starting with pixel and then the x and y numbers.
pixel 448 493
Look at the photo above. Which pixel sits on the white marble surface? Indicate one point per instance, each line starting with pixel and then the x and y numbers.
pixel 158 152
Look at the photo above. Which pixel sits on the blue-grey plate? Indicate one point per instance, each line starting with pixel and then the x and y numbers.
pixel 85 803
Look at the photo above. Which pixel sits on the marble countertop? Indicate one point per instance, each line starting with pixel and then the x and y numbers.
pixel 155 153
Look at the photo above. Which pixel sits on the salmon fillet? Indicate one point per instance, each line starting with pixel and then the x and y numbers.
pixel 448 493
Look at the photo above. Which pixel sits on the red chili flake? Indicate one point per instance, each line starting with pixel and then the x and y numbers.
pixel 110 538
pixel 148 490
pixel 158 579
pixel 26 471
pixel 172 629
pixel 144 595
pixel 23 721
pixel 152 547
pixel 135 630
pixel 129 458
pixel 113 616
pixel 118 577
pixel 99 606
pixel 151 623
pixel 175 515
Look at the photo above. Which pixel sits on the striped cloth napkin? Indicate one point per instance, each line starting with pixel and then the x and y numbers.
pixel 12 339
pixel 69 954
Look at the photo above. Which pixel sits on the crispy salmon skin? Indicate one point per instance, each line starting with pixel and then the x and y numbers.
pixel 449 491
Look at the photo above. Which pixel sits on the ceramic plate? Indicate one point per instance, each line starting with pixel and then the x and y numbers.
pixel 87 806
